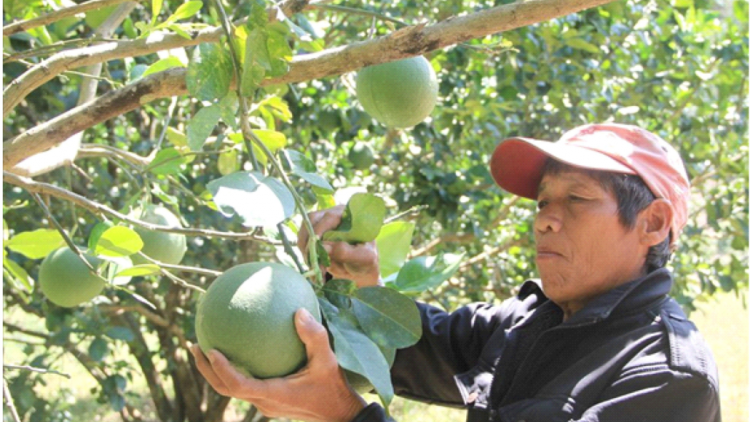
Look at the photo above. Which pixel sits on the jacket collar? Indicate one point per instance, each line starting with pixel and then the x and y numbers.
pixel 626 297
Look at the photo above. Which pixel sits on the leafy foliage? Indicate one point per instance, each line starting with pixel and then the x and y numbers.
pixel 675 67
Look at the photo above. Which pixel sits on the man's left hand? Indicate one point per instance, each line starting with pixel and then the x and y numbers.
pixel 317 392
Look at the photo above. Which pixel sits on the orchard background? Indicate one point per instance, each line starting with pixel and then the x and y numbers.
pixel 137 113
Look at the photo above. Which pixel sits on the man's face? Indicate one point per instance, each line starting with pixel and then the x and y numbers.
pixel 583 250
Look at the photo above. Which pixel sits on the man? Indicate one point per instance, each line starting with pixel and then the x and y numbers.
pixel 597 339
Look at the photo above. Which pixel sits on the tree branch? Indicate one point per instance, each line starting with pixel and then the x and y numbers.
pixel 75 58
pixel 407 42
pixel 35 369
pixel 99 209
pixel 9 402
pixel 57 15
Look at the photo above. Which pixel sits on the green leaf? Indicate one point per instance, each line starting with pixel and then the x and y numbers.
pixel 97 232
pixel 117 402
pixel 308 27
pixel 136 72
pixel 256 63
pixel 115 267
pixel 163 64
pixel 258 17
pixel 229 106
pixel 273 140
pixel 394 244
pixel 279 51
pixel 339 292
pixel 185 11
pixel 98 349
pixel 139 271
pixel 94 18
pixel 324 197
pixel 156 6
pixel 201 125
pixel 168 161
pixel 176 137
pixel 362 220
pixel 355 351
pixel 581 44
pixel 36 244
pixel 179 30
pixel 389 318
pixel 278 107
pixel 209 72
pixel 120 333
pixel 19 274
pixel 118 241
pixel 228 161
pixel 257 199
pixel 423 273
pixel 305 168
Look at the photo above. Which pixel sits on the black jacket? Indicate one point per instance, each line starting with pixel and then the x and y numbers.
pixel 629 355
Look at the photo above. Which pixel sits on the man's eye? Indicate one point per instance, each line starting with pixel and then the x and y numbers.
pixel 575 198
pixel 541 204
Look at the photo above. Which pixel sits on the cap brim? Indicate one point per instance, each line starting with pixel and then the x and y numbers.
pixel 516 165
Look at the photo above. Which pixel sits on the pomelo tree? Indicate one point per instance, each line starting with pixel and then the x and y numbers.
pixel 238 117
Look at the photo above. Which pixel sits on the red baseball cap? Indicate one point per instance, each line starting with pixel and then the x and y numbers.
pixel 516 164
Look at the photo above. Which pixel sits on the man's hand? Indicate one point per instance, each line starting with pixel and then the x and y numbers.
pixel 358 263
pixel 318 392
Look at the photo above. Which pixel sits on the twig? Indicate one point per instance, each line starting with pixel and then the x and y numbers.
pixel 167 121
pixel 57 15
pixel 35 369
pixel 96 150
pixel 355 11
pixel 65 236
pixel 69 72
pixel 181 282
pixel 411 211
pixel 44 188
pixel 462 238
pixel 9 402
pixel 13 327
pixel 185 269
pixel 486 254
pixel 53 48
pixel 288 248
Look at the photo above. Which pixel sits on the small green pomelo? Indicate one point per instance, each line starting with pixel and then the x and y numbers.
pixel 248 315
pixel 399 94
pixel 362 385
pixel 361 155
pixel 168 248
pixel 66 280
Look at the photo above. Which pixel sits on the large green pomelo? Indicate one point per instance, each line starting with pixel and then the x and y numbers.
pixel 361 155
pixel 399 94
pixel 168 248
pixel 248 315
pixel 66 280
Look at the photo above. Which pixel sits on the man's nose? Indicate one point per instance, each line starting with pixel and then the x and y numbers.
pixel 548 219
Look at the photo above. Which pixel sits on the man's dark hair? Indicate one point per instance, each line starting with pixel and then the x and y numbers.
pixel 632 197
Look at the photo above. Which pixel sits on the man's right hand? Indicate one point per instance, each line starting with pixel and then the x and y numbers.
pixel 358 263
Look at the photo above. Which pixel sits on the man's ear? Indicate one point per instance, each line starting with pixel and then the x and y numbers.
pixel 655 221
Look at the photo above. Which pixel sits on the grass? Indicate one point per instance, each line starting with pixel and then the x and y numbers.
pixel 723 321
pixel 724 325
